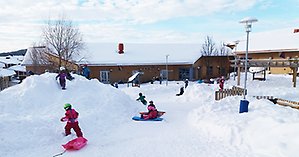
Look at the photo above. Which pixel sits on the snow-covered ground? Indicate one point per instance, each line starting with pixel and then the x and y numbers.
pixel 194 124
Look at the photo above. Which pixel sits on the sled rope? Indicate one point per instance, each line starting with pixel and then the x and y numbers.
pixel 60 153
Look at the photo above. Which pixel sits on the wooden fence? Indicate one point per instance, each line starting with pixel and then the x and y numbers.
pixel 229 92
pixel 284 102
pixel 4 83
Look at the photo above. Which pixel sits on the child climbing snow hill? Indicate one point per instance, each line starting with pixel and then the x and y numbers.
pixel 142 99
pixel 62 77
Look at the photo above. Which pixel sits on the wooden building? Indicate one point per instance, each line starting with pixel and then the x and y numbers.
pixel 38 60
pixel 116 62
pixel 276 51
pixel 112 63
pixel 282 44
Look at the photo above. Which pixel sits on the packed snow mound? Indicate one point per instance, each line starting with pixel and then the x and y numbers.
pixel 263 124
pixel 38 106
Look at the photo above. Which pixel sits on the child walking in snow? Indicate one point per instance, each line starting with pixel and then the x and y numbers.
pixel 152 111
pixel 62 77
pixel 142 99
pixel 221 83
pixel 186 83
pixel 71 116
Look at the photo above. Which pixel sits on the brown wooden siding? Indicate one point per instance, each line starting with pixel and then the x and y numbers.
pixel 122 73
pixel 219 66
pixel 274 55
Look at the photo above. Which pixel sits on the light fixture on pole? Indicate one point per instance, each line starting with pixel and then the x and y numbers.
pixel 233 46
pixel 235 55
pixel 167 70
pixel 248 24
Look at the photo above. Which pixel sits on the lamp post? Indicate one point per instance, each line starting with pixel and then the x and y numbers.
pixel 248 23
pixel 235 54
pixel 167 70
pixel 232 46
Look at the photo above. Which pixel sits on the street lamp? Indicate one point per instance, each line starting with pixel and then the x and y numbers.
pixel 233 45
pixel 167 70
pixel 235 66
pixel 248 23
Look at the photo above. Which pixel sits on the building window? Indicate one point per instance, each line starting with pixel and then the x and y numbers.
pixel 104 76
pixel 163 74
pixel 222 71
pixel 184 73
pixel 210 71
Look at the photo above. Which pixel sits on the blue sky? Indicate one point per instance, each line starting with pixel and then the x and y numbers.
pixel 144 21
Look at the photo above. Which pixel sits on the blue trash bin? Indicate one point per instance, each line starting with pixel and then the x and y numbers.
pixel 243 106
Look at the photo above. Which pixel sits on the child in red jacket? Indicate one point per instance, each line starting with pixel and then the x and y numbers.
pixel 152 111
pixel 221 83
pixel 71 116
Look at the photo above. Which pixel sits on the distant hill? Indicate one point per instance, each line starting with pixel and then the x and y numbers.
pixel 15 53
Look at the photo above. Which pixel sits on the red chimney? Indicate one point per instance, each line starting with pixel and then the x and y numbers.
pixel 120 48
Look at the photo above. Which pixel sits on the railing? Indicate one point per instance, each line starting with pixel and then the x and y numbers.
pixel 4 83
pixel 229 92
pixel 263 97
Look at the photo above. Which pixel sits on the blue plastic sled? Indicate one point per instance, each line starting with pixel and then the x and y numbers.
pixel 137 118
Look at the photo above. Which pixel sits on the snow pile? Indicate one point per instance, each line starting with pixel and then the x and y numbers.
pixel 30 112
pixel 267 129
pixel 194 124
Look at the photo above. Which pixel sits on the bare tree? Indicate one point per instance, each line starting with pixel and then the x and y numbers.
pixel 223 50
pixel 38 56
pixel 209 47
pixel 64 38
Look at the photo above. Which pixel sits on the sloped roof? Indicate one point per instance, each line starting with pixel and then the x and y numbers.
pixel 141 54
pixel 33 51
pixel 2 65
pixel 18 68
pixel 102 54
pixel 282 40
pixel 5 72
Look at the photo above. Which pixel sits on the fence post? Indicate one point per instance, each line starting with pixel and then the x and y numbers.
pixel 216 95
pixel 1 83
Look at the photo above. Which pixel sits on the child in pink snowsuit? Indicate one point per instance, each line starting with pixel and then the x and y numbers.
pixel 71 116
pixel 152 111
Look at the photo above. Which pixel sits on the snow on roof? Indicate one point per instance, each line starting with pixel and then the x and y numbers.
pixel 2 65
pixel 141 54
pixel 18 68
pixel 10 60
pixel 5 72
pixel 276 40
pixel 256 69
pixel 28 58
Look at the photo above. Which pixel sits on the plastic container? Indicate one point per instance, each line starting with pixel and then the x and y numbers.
pixel 244 106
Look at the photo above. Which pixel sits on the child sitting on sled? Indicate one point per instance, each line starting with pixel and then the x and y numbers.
pixel 152 112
